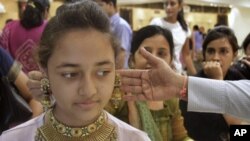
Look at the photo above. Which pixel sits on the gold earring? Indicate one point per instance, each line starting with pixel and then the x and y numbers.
pixel 116 97
pixel 45 88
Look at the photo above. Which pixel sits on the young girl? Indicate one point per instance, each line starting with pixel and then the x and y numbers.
pixel 77 54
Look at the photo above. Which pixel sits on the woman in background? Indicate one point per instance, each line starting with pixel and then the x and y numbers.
pixel 176 23
pixel 162 120
pixel 220 48
pixel 20 37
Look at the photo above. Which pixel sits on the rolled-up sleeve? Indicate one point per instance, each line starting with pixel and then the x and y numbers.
pixel 9 67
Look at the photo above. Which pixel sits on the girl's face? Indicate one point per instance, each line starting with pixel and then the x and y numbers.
pixel 81 71
pixel 172 8
pixel 220 50
pixel 158 46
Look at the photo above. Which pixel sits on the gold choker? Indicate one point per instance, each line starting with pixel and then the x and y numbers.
pixel 54 130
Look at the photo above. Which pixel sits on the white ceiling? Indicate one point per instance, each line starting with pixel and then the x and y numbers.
pixel 241 3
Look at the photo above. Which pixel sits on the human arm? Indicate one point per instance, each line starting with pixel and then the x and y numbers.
pixel 20 83
pixel 186 53
pixel 124 35
pixel 204 95
pixel 12 70
pixel 215 96
pixel 213 70
pixel 120 59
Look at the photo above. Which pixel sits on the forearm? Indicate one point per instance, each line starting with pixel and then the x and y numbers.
pixel 190 65
pixel 20 82
pixel 36 107
pixel 213 96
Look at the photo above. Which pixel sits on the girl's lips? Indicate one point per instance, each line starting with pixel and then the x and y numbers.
pixel 86 104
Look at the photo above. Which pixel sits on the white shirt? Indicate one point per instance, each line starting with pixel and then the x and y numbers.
pixel 215 96
pixel 27 130
pixel 179 35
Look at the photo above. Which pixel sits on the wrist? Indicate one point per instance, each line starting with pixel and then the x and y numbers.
pixel 182 91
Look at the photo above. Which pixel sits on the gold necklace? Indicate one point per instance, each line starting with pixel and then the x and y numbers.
pixel 53 130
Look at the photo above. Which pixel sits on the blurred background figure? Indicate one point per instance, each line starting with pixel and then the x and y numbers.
pixel 246 45
pixel 20 37
pixel 162 120
pixel 175 22
pixel 241 65
pixel 120 28
pixel 12 70
pixel 220 48
pixel 8 20
pixel 197 40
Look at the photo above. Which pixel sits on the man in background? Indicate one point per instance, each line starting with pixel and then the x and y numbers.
pixel 120 28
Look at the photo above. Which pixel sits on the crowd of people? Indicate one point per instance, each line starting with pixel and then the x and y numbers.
pixel 87 76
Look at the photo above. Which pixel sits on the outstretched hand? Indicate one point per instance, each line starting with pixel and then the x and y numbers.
pixel 158 83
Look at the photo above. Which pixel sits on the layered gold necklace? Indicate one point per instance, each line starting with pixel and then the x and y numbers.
pixel 53 130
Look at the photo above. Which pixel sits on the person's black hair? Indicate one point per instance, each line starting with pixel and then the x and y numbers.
pixel 246 42
pixel 181 19
pixel 34 13
pixel 111 1
pixel 196 27
pixel 218 33
pixel 150 31
pixel 8 20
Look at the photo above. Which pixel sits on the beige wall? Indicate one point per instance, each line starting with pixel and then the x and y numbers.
pixel 12 10
pixel 143 16
pixel 207 20
pixel 239 20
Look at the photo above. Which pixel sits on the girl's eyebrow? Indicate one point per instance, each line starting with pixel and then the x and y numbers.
pixel 63 65
pixel 67 64
pixel 105 62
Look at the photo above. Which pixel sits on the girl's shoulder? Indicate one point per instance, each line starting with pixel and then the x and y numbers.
pixel 25 131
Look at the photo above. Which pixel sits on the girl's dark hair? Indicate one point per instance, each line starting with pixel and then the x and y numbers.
pixel 180 18
pixel 218 33
pixel 110 1
pixel 33 15
pixel 150 31
pixel 246 42
pixel 81 15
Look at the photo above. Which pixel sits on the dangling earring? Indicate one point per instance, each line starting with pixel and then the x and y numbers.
pixel 45 88
pixel 116 97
